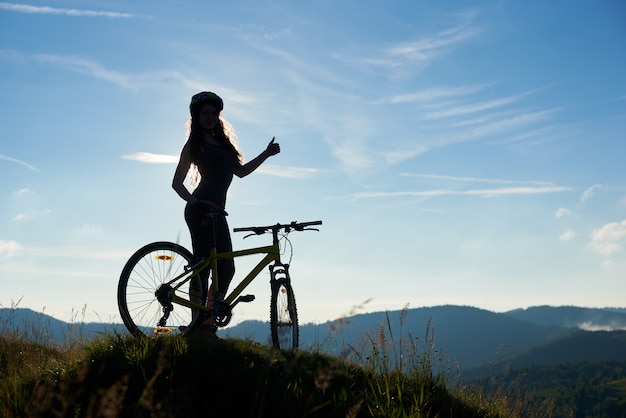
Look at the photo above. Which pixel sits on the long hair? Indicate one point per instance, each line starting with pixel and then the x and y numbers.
pixel 223 133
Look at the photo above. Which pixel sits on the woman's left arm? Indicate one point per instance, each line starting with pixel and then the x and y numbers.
pixel 247 168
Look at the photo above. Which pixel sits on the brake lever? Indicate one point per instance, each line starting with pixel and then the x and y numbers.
pixel 257 231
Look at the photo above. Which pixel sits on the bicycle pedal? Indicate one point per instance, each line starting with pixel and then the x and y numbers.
pixel 247 298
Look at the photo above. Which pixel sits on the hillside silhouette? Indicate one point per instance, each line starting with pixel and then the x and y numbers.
pixel 546 366
pixel 173 376
pixel 470 337
pixel 609 319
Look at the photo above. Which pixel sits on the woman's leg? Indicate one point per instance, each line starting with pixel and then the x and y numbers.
pixel 201 236
pixel 201 230
pixel 225 267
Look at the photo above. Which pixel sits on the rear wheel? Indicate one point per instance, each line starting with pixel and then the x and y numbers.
pixel 283 315
pixel 146 272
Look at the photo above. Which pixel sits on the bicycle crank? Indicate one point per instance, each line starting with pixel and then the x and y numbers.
pixel 223 312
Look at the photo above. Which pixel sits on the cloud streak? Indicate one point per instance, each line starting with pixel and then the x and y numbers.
pixel 287 172
pixel 267 169
pixel 46 10
pixel 472 108
pixel 20 162
pixel 431 94
pixel 474 179
pixel 504 191
pixel 151 158
pixel 94 69
pixel 589 192
pixel 426 49
pixel 450 115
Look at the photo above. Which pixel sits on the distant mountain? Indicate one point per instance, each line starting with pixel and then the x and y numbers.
pixel 608 319
pixel 470 336
pixel 621 310
pixel 578 346
pixel 467 336
pixel 43 328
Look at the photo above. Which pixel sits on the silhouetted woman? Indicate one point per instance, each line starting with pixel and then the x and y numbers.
pixel 212 155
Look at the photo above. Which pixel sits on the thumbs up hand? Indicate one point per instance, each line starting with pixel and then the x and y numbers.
pixel 273 148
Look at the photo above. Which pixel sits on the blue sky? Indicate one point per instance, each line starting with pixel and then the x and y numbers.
pixel 457 152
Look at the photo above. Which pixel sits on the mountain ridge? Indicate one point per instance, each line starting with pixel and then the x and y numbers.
pixel 469 336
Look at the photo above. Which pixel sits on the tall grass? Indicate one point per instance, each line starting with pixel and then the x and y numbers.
pixel 117 375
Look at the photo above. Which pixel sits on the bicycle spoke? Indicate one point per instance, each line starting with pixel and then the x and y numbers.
pixel 146 271
pixel 283 315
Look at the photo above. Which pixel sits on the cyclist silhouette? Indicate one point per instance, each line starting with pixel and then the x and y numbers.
pixel 212 157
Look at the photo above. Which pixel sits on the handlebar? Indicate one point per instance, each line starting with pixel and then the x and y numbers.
pixel 293 226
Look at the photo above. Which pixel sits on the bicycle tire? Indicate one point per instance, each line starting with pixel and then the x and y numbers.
pixel 145 271
pixel 283 315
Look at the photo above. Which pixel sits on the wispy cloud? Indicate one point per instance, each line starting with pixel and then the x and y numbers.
pixel 521 186
pixel 97 70
pixel 609 238
pixel 22 192
pixel 612 326
pixel 9 248
pixel 76 252
pixel 20 162
pixel 454 115
pixel 88 67
pixel 510 125
pixel 431 94
pixel 427 48
pixel 589 192
pixel 26 8
pixel 567 235
pixel 288 172
pixel 150 158
pixel 13 248
pixel 504 191
pixel 475 179
pixel 472 108
pixel 267 169
pixel 534 135
pixel 562 212
pixel 34 214
pixel 421 51
pixel 518 121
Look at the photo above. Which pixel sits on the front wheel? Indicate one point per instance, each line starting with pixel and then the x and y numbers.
pixel 283 315
pixel 149 270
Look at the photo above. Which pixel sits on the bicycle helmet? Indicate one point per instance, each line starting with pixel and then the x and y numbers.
pixel 204 98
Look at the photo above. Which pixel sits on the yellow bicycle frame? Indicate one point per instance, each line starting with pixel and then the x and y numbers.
pixel 272 254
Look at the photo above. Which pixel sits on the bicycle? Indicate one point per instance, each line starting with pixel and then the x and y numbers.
pixel 163 274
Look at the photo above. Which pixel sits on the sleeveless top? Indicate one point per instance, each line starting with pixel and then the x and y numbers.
pixel 216 167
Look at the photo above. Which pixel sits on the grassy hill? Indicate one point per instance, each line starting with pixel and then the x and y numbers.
pixel 580 388
pixel 395 367
pixel 198 377
pixel 471 337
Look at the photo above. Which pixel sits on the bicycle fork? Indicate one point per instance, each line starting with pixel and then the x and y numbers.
pixel 279 271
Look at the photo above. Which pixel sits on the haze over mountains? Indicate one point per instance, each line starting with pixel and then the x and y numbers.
pixel 469 337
